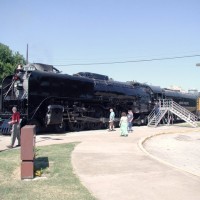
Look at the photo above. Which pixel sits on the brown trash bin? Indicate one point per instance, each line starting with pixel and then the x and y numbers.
pixel 27 151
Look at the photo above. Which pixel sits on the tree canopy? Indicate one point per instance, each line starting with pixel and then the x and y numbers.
pixel 9 60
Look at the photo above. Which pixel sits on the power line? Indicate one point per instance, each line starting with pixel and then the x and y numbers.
pixel 129 61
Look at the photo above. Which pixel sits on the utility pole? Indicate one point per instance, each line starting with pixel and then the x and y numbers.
pixel 27 54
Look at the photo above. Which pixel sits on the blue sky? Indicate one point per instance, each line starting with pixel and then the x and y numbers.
pixel 63 32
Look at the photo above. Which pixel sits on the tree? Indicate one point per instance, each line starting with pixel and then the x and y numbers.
pixel 8 61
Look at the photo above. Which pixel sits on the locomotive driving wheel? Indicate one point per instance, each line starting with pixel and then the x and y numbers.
pixel 76 126
pixel 94 125
pixel 60 128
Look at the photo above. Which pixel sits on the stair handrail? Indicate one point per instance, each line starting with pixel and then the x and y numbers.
pixel 151 116
pixel 160 115
pixel 183 111
pixel 156 116
pixel 169 104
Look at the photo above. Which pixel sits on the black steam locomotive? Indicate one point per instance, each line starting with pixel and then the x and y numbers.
pixel 55 101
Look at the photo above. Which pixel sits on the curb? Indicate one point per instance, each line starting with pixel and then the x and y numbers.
pixel 143 140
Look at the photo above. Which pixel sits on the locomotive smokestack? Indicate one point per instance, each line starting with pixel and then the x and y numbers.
pixel 27 54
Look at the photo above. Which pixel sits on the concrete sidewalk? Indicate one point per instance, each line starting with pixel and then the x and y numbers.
pixel 117 168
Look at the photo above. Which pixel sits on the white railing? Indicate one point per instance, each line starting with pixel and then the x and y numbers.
pixel 169 105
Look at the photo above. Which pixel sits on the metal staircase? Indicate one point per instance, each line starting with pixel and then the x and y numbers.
pixel 167 105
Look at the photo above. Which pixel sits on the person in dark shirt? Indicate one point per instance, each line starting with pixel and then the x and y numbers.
pixel 156 108
pixel 130 119
pixel 15 131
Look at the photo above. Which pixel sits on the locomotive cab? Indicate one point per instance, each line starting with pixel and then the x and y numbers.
pixel 40 67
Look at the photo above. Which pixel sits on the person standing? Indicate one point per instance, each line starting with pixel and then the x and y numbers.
pixel 156 108
pixel 130 120
pixel 111 120
pixel 15 131
pixel 123 124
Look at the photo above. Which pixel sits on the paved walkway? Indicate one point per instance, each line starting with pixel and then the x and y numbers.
pixel 121 168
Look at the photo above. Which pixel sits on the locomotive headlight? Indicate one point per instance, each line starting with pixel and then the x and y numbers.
pixel 18 88
pixel 18 85
pixel 15 84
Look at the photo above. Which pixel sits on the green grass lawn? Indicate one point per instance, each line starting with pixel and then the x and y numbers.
pixel 58 180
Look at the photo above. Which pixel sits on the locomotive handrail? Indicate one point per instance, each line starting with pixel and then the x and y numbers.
pixel 7 86
pixel 11 84
pixel 43 102
pixel 40 105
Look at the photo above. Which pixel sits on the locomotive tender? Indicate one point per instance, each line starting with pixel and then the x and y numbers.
pixel 59 102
